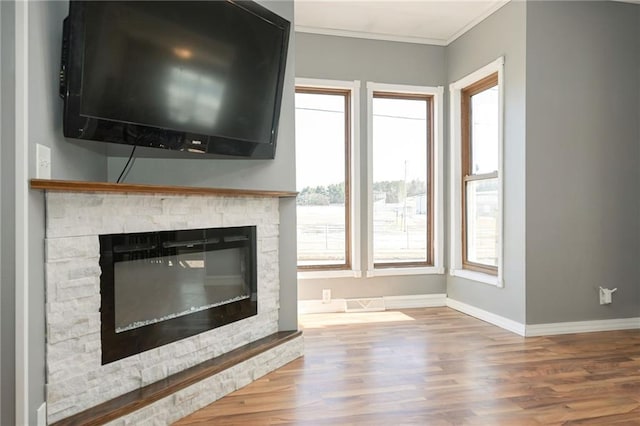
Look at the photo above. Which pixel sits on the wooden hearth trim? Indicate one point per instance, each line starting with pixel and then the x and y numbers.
pixel 81 186
pixel 137 399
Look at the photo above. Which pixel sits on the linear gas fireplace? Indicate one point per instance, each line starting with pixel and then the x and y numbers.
pixel 160 287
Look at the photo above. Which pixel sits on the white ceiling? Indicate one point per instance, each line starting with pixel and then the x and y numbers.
pixel 419 21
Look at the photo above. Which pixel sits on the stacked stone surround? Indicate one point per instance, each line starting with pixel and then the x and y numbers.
pixel 76 380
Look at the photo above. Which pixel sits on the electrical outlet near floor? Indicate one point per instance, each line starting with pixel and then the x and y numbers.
pixel 326 295
pixel 605 295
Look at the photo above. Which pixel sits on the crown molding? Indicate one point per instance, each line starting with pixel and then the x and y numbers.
pixel 493 9
pixel 369 36
pixel 408 39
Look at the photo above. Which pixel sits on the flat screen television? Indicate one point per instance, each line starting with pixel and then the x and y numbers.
pixel 198 76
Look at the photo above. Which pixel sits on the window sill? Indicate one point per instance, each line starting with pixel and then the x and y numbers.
pixel 476 276
pixel 333 273
pixel 386 272
pixel 382 272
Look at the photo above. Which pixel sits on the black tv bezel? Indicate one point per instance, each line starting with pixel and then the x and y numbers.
pixel 78 126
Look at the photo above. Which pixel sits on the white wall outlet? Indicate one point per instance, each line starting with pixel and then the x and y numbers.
pixel 43 162
pixel 326 295
pixel 605 295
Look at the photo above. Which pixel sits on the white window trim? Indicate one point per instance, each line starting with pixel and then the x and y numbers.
pixel 329 273
pixel 455 91
pixel 22 271
pixel 354 214
pixel 438 179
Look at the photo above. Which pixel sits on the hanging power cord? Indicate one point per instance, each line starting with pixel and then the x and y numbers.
pixel 127 165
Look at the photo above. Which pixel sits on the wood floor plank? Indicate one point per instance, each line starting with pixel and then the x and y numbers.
pixel 436 366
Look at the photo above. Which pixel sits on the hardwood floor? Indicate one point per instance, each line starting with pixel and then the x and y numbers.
pixel 436 366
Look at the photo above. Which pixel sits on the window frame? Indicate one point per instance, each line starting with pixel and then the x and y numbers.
pixel 467 159
pixel 434 261
pixel 350 89
pixel 461 92
pixel 428 177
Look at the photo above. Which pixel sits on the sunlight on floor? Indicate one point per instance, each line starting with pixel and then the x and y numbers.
pixel 342 318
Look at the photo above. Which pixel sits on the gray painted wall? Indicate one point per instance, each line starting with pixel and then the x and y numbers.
pixel 7 213
pixel 583 212
pixel 344 58
pixel 70 160
pixel 501 34
pixel 347 58
pixel 155 168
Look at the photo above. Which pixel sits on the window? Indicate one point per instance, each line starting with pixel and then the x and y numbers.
pixel 401 231
pixel 323 134
pixel 476 175
pixel 404 173
pixel 402 198
pixel 479 130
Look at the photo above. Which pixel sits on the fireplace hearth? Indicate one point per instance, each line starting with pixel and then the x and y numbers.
pixel 160 287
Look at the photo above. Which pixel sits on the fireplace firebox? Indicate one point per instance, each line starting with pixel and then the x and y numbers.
pixel 160 287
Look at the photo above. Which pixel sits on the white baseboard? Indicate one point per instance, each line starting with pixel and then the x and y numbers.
pixel 582 327
pixel 319 307
pixel 491 318
pixel 391 302
pixel 41 415
pixel 415 301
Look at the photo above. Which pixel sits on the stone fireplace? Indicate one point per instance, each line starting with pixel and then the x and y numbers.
pixel 78 375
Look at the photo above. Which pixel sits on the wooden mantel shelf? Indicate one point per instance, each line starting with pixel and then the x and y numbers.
pixel 81 186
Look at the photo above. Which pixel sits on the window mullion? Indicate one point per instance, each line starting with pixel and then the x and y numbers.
pixel 483 176
pixel 347 178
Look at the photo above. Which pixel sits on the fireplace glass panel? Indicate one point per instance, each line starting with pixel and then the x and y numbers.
pixel 160 287
pixel 192 279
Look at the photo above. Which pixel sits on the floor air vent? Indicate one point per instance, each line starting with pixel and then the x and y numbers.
pixel 364 305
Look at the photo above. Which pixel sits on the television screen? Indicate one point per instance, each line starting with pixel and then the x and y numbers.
pixel 202 76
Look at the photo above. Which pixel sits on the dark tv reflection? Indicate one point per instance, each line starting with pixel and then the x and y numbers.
pixel 204 67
